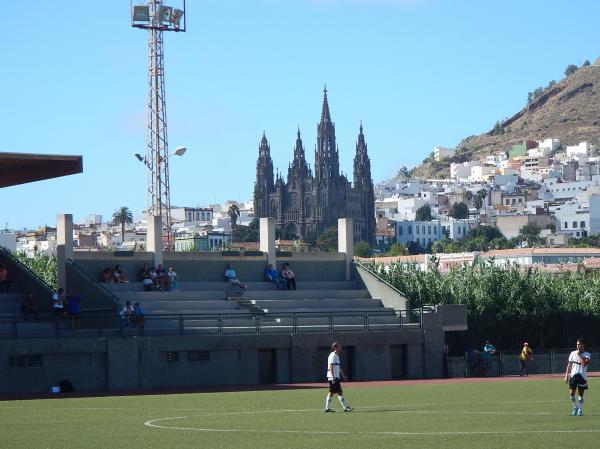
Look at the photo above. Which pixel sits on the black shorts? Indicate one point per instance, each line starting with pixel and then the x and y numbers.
pixel 58 311
pixel 335 386
pixel 577 381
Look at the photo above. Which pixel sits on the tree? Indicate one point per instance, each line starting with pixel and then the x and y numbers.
pixel 234 214
pixel 585 63
pixel 122 216
pixel 404 172
pixel 248 233
pixel 530 233
pixel 479 197
pixel 414 248
pixel 459 211
pixel 571 68
pixel 363 249
pixel 423 213
pixel 326 240
pixel 396 249
pixel 42 265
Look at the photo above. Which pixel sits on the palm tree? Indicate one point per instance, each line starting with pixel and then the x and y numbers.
pixel 234 213
pixel 123 216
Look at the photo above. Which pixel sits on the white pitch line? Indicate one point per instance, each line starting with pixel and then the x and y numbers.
pixel 337 432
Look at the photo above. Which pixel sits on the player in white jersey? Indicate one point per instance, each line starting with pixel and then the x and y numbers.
pixel 576 376
pixel 334 371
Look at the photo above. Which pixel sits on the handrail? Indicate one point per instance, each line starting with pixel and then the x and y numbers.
pixel 24 267
pixel 379 278
pixel 247 323
pixel 94 282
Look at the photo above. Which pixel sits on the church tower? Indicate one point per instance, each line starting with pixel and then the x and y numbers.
pixel 264 183
pixel 327 164
pixel 363 183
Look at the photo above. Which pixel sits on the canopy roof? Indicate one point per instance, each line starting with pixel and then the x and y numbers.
pixel 21 168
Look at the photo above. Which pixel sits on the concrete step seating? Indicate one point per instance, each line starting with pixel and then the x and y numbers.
pixel 223 286
pixel 10 303
pixel 317 304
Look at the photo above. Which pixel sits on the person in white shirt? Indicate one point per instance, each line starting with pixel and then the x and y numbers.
pixel 576 376
pixel 334 371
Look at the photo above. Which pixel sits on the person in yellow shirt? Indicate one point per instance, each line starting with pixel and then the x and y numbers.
pixel 525 356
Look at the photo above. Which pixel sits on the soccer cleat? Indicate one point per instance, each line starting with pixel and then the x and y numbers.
pixel 328 410
pixel 574 411
pixel 579 412
pixel 348 409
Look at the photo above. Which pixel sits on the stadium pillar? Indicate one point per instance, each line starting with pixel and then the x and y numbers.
pixel 154 238
pixel 267 239
pixel 64 247
pixel 346 241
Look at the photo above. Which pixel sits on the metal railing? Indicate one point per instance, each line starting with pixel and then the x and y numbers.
pixel 10 256
pixel 215 324
pixel 94 282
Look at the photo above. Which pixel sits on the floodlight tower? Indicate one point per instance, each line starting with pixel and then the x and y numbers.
pixel 156 17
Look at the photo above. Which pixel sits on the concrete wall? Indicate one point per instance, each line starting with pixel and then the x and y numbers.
pixel 143 363
pixel 211 266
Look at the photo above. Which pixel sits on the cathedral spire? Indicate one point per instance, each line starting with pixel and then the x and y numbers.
pixel 325 116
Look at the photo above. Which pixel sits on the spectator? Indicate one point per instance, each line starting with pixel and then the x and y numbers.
pixel 146 278
pixel 106 276
pixel 58 306
pixel 28 307
pixel 119 275
pixel 288 275
pixel 162 278
pixel 271 275
pixel 231 277
pixel 74 309
pixel 126 315
pixel 154 277
pixel 4 281
pixel 486 356
pixel 172 279
pixel 138 315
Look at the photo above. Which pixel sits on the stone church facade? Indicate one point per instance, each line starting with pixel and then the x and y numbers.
pixel 305 202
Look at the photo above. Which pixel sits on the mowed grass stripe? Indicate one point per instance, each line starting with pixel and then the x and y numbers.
pixel 532 413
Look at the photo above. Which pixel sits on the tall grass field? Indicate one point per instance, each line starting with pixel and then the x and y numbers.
pixel 519 413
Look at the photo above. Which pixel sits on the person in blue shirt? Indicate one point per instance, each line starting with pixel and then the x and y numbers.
pixel 138 315
pixel 231 277
pixel 486 356
pixel 272 275
pixel 74 309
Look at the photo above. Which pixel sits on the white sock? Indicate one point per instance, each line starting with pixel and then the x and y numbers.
pixel 328 402
pixel 342 401
pixel 574 401
pixel 580 403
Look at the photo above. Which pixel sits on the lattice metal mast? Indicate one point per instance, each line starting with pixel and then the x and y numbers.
pixel 156 18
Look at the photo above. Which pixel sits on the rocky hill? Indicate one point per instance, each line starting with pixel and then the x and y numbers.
pixel 568 110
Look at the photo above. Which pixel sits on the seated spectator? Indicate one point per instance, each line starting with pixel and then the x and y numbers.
pixel 106 275
pixel 74 309
pixel 119 275
pixel 154 277
pixel 4 281
pixel 288 275
pixel 231 277
pixel 138 315
pixel 146 278
pixel 162 278
pixel 172 279
pixel 28 307
pixel 271 275
pixel 126 315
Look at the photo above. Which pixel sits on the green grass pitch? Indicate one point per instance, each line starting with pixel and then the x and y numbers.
pixel 527 413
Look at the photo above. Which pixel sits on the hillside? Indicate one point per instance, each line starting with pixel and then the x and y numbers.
pixel 570 111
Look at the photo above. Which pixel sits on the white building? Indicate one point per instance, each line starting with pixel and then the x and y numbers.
pixel 581 149
pixel 191 216
pixel 440 153
pixel 461 171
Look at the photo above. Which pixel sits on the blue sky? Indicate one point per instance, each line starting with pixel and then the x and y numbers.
pixel 418 73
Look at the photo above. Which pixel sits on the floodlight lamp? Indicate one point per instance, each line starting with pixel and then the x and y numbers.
pixel 180 151
pixel 176 16
pixel 139 157
pixel 164 13
pixel 141 13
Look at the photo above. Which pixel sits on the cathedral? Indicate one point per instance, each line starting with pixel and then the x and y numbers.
pixel 306 202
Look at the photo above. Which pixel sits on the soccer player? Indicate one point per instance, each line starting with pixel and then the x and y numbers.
pixel 333 378
pixel 576 376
